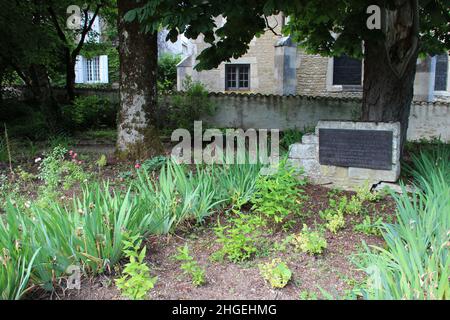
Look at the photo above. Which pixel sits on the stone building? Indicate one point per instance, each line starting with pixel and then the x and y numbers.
pixel 275 65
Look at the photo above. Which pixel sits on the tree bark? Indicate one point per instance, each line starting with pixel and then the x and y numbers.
pixel 70 76
pixel 390 69
pixel 43 93
pixel 138 52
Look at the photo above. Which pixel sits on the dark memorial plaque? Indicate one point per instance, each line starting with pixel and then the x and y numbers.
pixel 368 149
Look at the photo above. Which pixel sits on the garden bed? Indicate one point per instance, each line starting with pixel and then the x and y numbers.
pixel 237 234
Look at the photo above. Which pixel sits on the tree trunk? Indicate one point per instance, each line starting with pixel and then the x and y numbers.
pixel 70 76
pixel 138 52
pixel 390 69
pixel 43 94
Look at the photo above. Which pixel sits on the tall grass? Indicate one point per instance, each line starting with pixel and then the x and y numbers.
pixel 16 260
pixel 88 234
pixel 179 194
pixel 40 244
pixel 415 263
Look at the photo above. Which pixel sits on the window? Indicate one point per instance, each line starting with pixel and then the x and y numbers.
pixel 92 70
pixel 347 71
pixel 237 77
pixel 441 73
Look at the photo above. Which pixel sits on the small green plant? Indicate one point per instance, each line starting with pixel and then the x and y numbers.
pixel 190 266
pixel 278 195
pixel 240 239
pixel 276 273
pixel 136 281
pixel 308 241
pixel 335 222
pixel 101 162
pixel 370 228
pixel 154 164
pixel 355 205
pixel 308 295
pixel 283 245
pixel 365 194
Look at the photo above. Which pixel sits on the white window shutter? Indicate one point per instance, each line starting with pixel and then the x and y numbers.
pixel 96 28
pixel 79 70
pixel 104 71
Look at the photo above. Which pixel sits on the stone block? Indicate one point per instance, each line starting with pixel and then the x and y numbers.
pixel 310 139
pixel 308 151
pixel 294 151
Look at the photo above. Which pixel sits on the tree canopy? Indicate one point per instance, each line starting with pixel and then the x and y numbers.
pixel 312 24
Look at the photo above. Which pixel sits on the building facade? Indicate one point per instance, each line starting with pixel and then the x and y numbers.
pixel 275 65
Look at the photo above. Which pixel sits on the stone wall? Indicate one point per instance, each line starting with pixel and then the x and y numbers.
pixel 427 121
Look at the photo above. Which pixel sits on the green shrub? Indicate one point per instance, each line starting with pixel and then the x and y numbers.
pixel 276 273
pixel 308 241
pixel 167 72
pixel 90 112
pixel 54 170
pixel 240 240
pixel 136 281
pixel 278 195
pixel 335 222
pixel 190 105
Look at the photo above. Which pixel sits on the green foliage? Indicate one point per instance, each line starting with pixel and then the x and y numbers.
pixel 364 194
pixel 3 150
pixel 276 273
pixel 136 281
pixel 370 228
pixel 101 162
pixel 278 195
pixel 175 196
pixel 15 268
pixel 190 105
pixel 167 72
pixel 154 164
pixel 311 24
pixel 335 222
pixel 415 263
pixel 290 137
pixel 54 170
pixel 240 239
pixel 90 112
pixel 308 241
pixel 190 266
pixel 434 160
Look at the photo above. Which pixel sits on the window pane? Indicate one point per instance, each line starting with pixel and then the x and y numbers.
pixel 347 71
pixel 231 77
pixel 243 77
pixel 441 73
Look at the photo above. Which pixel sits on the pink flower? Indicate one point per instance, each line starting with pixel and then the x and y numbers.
pixel 75 155
pixel 71 152
pixel 137 166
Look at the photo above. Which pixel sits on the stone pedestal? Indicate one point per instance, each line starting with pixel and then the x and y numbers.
pixel 305 155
